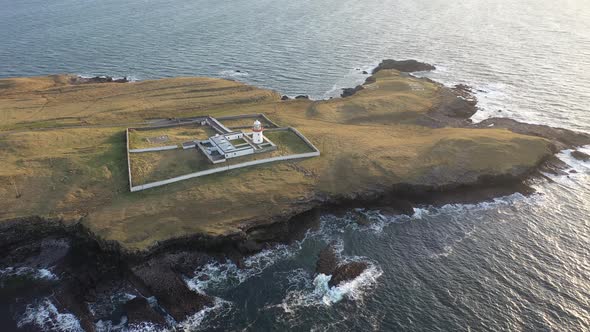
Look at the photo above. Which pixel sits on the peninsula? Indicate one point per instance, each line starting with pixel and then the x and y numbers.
pixel 86 168
pixel 63 153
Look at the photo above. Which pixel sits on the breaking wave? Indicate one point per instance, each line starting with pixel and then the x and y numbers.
pixel 44 315
pixel 216 274
pixel 26 271
pixel 233 74
pixel 317 292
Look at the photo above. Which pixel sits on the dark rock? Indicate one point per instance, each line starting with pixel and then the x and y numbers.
pixel 238 71
pixel 97 79
pixel 580 155
pixel 365 72
pixel 302 97
pixel 573 171
pixel 285 97
pixel 346 272
pixel 157 276
pixel 403 206
pixel 407 66
pixel 370 80
pixel 249 246
pixel 327 261
pixel 555 166
pixel 240 263
pixel 362 219
pixel 138 310
pixel 347 92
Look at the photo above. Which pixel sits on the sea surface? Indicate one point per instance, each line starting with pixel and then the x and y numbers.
pixel 515 264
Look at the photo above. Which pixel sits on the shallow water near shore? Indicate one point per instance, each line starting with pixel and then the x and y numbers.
pixel 516 263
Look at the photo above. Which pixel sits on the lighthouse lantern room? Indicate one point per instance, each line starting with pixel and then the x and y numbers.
pixel 257 129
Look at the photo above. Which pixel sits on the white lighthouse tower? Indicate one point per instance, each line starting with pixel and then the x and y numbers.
pixel 257 129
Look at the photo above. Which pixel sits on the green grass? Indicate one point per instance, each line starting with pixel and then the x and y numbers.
pixel 288 142
pixel 176 136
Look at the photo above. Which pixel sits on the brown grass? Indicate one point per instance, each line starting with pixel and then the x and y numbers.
pixel 368 141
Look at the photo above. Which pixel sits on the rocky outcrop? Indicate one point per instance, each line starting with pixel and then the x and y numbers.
pixel 406 66
pixel 328 264
pixel 347 92
pixel 302 97
pixel 98 79
pixel 138 310
pixel 327 261
pixel 162 277
pixel 581 155
pixel 346 272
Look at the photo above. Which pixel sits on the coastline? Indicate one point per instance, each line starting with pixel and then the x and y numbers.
pixel 168 259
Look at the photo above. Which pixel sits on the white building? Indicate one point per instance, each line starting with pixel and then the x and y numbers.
pixel 234 144
pixel 257 136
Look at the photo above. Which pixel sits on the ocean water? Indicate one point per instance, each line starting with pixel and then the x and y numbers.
pixel 514 264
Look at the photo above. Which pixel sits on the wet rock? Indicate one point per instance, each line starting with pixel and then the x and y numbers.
pixel 370 80
pixel 327 261
pixel 285 97
pixel 346 272
pixel 160 278
pixel 138 310
pixel 365 72
pixel 580 155
pixel 362 219
pixel 573 171
pixel 555 166
pixel 302 97
pixel 249 247
pixel 347 92
pixel 403 206
pixel 407 66
pixel 98 79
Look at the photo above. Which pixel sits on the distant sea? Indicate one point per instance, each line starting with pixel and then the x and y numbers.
pixel 515 264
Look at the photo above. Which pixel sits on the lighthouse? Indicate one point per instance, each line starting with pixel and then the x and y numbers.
pixel 257 129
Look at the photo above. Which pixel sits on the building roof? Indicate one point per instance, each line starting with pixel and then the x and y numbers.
pixel 222 143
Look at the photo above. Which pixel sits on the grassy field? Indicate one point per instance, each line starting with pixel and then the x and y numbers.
pixel 62 152
pixel 149 167
pixel 287 142
pixel 245 122
pixel 140 139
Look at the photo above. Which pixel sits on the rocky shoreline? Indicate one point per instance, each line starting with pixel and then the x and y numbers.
pixel 89 268
pixel 98 79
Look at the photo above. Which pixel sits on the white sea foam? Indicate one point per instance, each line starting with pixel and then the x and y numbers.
pixel 40 274
pixel 196 321
pixel 516 198
pixel 577 171
pixel 46 317
pixel 575 164
pixel 233 73
pixel 318 293
pixel 216 274
pixel 351 79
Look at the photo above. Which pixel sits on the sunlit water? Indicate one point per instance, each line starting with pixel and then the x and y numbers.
pixel 519 263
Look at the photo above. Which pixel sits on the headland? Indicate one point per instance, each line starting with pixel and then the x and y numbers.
pixel 394 141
